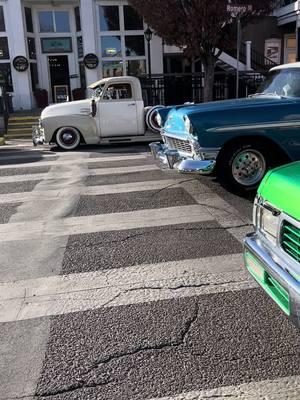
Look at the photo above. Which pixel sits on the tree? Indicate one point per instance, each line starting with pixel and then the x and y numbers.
pixel 203 28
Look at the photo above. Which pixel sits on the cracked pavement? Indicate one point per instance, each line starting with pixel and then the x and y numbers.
pixel 122 282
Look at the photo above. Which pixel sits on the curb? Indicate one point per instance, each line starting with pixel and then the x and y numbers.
pixel 2 141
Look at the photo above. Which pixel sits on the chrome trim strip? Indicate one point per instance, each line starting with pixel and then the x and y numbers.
pixel 268 125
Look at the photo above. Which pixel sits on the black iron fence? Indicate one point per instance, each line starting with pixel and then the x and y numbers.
pixel 172 89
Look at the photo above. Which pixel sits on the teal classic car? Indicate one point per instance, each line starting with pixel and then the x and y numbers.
pixel 239 140
pixel 272 252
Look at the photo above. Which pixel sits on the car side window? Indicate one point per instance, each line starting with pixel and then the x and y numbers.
pixel 118 91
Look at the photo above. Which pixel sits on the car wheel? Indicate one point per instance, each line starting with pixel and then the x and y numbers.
pixel 68 138
pixel 241 167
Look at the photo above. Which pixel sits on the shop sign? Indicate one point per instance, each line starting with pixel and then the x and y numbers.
pixel 111 51
pixel 56 45
pixel 91 61
pixel 20 63
pixel 61 93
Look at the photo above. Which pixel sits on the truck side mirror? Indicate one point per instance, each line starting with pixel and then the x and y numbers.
pixel 94 108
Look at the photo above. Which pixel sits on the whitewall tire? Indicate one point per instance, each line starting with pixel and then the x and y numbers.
pixel 68 138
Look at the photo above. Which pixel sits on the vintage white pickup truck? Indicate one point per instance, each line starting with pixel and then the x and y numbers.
pixel 115 113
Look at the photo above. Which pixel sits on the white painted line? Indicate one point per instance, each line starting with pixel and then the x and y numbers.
pixel 287 388
pixel 82 173
pixel 66 159
pixel 138 284
pixel 101 223
pixel 226 215
pixel 49 195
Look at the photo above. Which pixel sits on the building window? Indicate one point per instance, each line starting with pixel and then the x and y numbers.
pixel 135 46
pixel 111 46
pixel 109 18
pixel 135 67
pixel 2 21
pixel 34 76
pixel 4 51
pixel 28 19
pixel 56 45
pixel 54 21
pixel 112 68
pixel 77 19
pixel 31 48
pixel 290 48
pixel 132 20
pixel 5 70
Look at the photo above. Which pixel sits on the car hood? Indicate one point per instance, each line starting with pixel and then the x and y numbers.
pixel 69 108
pixel 255 101
pixel 281 188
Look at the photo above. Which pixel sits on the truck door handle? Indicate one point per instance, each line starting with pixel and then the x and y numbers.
pixel 131 104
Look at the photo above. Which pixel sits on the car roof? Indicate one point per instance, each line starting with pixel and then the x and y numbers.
pixel 286 66
pixel 113 79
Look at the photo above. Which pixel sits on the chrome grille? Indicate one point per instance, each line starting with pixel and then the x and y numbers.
pixel 178 144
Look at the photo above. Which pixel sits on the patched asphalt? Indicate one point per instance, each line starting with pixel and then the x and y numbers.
pixel 168 347
pixel 7 210
pixel 132 201
pixel 107 250
pixel 139 176
pixel 17 187
pixel 24 171
pixel 118 149
pixel 121 163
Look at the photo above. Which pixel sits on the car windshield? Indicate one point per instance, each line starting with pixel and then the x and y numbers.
pixel 284 82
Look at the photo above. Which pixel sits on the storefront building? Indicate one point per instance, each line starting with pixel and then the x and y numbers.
pixel 57 46
pixel 55 36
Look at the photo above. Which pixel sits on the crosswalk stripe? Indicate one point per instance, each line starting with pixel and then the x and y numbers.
pixel 79 158
pixel 87 172
pixel 101 223
pixel 276 389
pixel 138 284
pixel 49 195
pixel 226 215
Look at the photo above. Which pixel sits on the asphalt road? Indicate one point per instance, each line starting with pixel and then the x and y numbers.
pixel 119 281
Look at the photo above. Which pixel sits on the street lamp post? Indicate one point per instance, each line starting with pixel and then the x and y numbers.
pixel 148 35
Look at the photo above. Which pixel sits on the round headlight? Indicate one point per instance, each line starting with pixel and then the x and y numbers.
pixel 187 124
pixel 158 119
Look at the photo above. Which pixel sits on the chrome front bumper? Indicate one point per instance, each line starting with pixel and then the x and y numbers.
pixel 255 250
pixel 172 159
pixel 38 135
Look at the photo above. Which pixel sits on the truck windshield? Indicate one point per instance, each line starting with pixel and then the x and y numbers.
pixel 283 82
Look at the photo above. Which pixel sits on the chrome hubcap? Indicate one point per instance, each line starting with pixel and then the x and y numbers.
pixel 248 167
pixel 68 138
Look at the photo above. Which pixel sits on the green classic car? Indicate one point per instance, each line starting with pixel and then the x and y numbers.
pixel 272 252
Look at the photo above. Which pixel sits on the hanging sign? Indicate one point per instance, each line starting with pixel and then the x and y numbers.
pixel 20 63
pixel 91 61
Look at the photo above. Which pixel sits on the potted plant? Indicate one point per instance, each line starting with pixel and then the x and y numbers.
pixel 41 97
pixel 79 94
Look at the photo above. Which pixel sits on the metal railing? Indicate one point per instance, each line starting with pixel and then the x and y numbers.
pixel 172 89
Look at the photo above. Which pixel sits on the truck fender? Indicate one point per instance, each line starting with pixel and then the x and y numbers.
pixel 150 117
